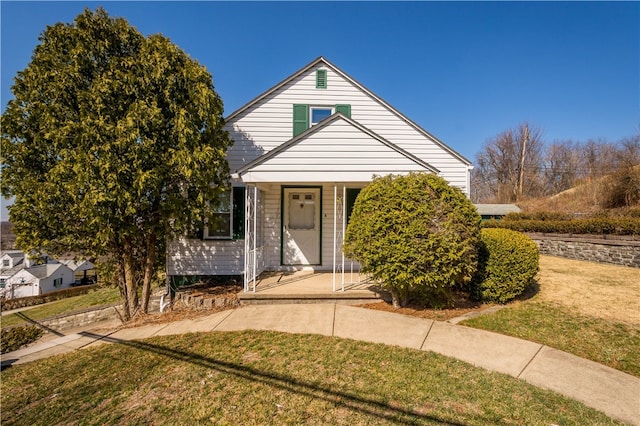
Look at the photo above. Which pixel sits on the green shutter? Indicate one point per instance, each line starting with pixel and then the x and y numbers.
pixel 321 79
pixel 238 212
pixel 300 118
pixel 352 194
pixel 344 109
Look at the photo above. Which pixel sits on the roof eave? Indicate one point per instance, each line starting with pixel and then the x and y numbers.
pixel 323 60
pixel 322 125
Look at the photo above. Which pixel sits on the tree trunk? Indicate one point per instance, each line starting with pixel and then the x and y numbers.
pixel 148 271
pixel 122 286
pixel 398 299
pixel 130 278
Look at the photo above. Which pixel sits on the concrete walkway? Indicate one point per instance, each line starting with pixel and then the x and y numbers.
pixel 608 390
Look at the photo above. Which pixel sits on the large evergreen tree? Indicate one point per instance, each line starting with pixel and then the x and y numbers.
pixel 112 144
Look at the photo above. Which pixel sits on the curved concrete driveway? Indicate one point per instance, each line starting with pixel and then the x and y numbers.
pixel 613 392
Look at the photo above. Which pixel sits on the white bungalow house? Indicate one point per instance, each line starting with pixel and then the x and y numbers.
pixel 302 151
pixel 37 280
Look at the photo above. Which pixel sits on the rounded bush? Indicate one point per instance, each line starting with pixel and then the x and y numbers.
pixel 508 262
pixel 415 234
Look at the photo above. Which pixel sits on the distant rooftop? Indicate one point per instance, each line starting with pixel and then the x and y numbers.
pixel 496 209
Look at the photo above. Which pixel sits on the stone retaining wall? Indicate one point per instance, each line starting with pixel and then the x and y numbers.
pixel 618 251
pixel 86 317
pixel 90 316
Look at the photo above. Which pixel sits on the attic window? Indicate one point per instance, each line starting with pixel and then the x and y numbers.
pixel 321 79
pixel 319 113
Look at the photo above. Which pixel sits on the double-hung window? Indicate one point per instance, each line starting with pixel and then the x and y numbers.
pixel 317 114
pixel 306 116
pixel 57 282
pixel 227 221
pixel 220 223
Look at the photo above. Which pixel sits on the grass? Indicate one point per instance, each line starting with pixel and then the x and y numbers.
pixel 587 309
pixel 607 342
pixel 102 296
pixel 254 377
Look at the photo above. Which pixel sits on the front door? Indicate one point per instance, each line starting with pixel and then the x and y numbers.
pixel 301 226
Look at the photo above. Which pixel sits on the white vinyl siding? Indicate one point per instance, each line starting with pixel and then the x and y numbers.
pixel 205 257
pixel 268 123
pixel 337 152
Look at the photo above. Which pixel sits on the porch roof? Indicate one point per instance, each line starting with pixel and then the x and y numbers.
pixel 338 149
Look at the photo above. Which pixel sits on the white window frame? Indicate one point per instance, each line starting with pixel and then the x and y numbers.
pixel 319 107
pixel 6 263
pixel 221 212
pixel 57 282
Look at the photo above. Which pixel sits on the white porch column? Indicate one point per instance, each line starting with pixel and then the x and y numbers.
pixel 339 200
pixel 250 246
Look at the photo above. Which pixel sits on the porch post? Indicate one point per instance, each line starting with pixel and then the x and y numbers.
pixel 247 235
pixel 344 225
pixel 335 219
pixel 339 221
pixel 250 238
pixel 255 235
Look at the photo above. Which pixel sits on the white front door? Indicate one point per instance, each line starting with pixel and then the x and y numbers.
pixel 301 226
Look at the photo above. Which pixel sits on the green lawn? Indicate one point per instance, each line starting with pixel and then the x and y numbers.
pixel 604 341
pixel 272 378
pixel 102 296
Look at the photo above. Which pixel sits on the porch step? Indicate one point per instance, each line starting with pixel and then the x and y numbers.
pixel 349 298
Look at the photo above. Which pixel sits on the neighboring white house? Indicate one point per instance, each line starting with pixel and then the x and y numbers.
pixel 11 258
pixel 11 261
pixel 83 270
pixel 302 151
pixel 37 280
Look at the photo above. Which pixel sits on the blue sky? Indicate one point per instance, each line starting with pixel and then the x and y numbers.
pixel 465 71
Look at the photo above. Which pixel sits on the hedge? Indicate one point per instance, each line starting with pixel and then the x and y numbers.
pixel 507 263
pixel 601 226
pixel 52 296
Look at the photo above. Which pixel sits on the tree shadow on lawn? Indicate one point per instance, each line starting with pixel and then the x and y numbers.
pixel 287 383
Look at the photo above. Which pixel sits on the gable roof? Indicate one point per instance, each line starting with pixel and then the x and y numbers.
pixel 78 265
pixel 14 254
pixel 317 156
pixel 496 209
pixel 325 124
pixel 322 61
pixel 44 271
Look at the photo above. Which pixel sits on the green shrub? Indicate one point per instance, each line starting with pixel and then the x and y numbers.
pixel 545 216
pixel 415 234
pixel 14 338
pixel 594 225
pixel 508 262
pixel 52 296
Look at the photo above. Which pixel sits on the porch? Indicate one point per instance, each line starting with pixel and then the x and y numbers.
pixel 311 287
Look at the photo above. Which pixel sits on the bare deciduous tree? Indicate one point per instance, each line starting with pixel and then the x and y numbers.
pixel 509 165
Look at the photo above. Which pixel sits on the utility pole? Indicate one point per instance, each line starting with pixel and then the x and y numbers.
pixel 522 157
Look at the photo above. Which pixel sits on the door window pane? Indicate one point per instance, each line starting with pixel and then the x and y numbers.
pixel 302 209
